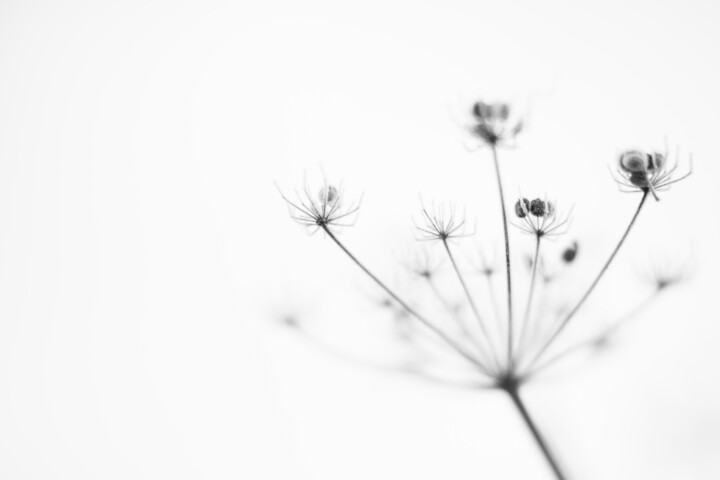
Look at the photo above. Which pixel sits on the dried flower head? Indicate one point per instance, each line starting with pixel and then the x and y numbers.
pixel 423 264
pixel 665 273
pixel 492 123
pixel 324 210
pixel 499 345
pixel 642 171
pixel 539 217
pixel 442 224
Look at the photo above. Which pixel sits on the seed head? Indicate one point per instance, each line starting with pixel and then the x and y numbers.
pixel 537 208
pixel 328 194
pixel 539 218
pixel 522 206
pixel 324 210
pixel 645 172
pixel 491 123
pixel 441 224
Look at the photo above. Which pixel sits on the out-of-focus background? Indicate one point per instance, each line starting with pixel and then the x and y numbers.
pixel 146 255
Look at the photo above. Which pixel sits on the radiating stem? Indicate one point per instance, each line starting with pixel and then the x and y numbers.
pixel 594 341
pixel 533 280
pixel 449 341
pixel 455 315
pixel 507 258
pixel 517 401
pixel 474 308
pixel 585 296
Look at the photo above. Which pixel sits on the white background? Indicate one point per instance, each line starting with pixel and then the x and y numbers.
pixel 145 252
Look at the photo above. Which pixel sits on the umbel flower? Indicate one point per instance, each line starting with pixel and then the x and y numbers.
pixel 644 171
pixel 494 345
pixel 539 217
pixel 493 124
pixel 326 208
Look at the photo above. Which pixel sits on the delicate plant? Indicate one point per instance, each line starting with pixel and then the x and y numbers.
pixel 510 350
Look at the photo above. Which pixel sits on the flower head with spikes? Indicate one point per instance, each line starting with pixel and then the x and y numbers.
pixel 324 210
pixel 441 224
pixel 492 123
pixel 640 171
pixel 539 217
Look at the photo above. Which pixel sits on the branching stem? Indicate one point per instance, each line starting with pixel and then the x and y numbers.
pixel 443 336
pixel 587 293
pixel 474 308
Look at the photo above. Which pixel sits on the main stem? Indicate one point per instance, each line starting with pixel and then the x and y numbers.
pixel 572 312
pixel 507 258
pixel 449 341
pixel 552 461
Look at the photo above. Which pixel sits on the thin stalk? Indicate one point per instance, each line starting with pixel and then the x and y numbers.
pixel 598 338
pixel 585 296
pixel 552 461
pixel 470 300
pixel 449 341
pixel 493 303
pixel 507 258
pixel 458 320
pixel 533 280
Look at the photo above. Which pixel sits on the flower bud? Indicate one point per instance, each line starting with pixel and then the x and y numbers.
pixel 570 253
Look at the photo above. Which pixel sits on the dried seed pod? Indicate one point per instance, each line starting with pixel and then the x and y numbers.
pixel 635 161
pixel 569 254
pixel 537 208
pixel 328 195
pixel 482 110
pixel 521 209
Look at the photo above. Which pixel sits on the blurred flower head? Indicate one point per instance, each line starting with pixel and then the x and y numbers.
pixel 492 123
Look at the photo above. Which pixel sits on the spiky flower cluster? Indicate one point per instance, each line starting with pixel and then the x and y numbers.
pixel 644 171
pixel 493 124
pixel 497 344
pixel 326 209
pixel 539 217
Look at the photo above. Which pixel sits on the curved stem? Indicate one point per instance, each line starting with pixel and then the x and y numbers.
pixel 585 296
pixel 507 258
pixel 449 341
pixel 552 461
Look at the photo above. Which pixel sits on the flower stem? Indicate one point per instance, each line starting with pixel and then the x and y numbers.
pixel 460 322
pixel 507 258
pixel 448 340
pixel 598 339
pixel 520 405
pixel 585 296
pixel 470 299
pixel 533 280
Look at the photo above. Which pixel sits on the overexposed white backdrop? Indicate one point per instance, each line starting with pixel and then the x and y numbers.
pixel 145 252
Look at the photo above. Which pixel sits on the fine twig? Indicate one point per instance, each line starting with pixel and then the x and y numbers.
pixel 447 339
pixel 585 296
